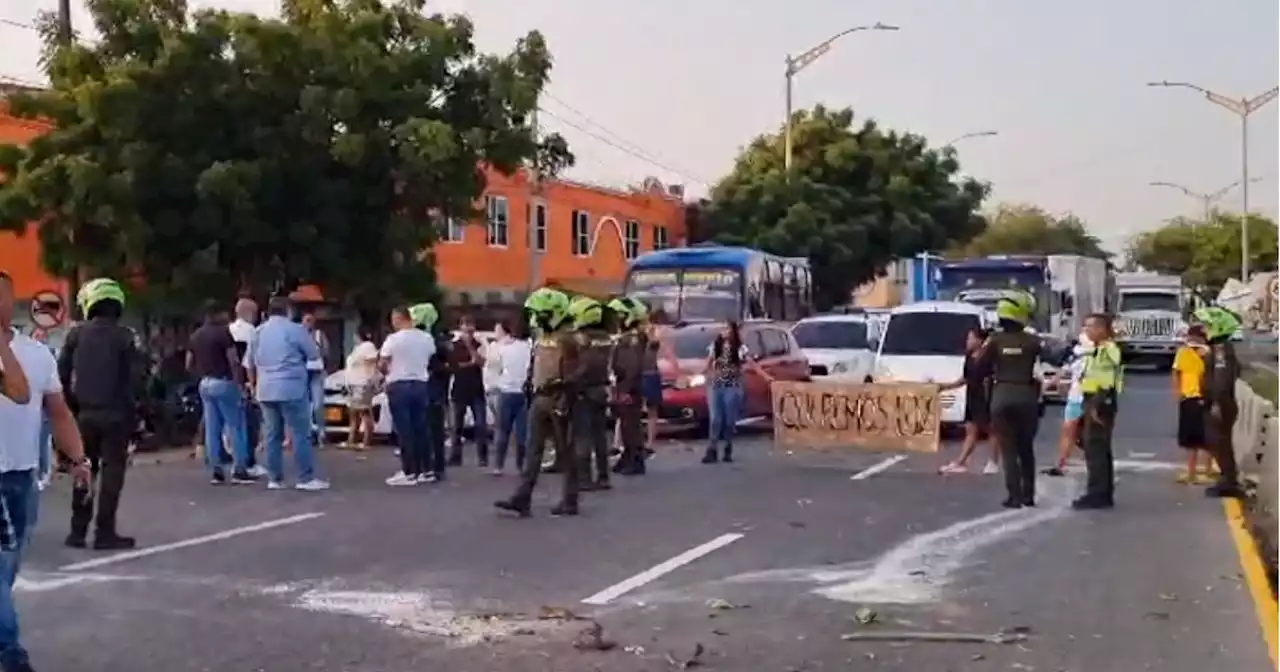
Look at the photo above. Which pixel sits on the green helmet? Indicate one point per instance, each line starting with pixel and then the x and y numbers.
pixel 1218 321
pixel 548 308
pixel 586 312
pixel 423 315
pixel 631 311
pixel 1018 307
pixel 98 290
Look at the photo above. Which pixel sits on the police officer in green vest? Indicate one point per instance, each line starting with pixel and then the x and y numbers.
pixel 554 381
pixel 1221 371
pixel 627 363
pixel 1010 354
pixel 590 425
pixel 1101 383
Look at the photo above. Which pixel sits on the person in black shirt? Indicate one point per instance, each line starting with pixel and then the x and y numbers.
pixel 976 381
pixel 466 363
pixel 213 360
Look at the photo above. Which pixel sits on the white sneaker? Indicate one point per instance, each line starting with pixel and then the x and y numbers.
pixel 991 468
pixel 427 478
pixel 400 479
pixel 953 468
pixel 275 485
pixel 312 485
pixel 258 471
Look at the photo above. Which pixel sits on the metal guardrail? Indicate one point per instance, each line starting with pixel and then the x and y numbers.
pixel 1256 437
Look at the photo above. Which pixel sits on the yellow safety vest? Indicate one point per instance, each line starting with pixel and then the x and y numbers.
pixel 1102 370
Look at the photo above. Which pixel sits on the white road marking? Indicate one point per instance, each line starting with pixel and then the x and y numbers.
pixel 46 581
pixel 1142 456
pixel 877 468
pixel 209 538
pixel 622 588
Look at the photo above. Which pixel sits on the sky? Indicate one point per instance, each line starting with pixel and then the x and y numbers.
pixel 674 88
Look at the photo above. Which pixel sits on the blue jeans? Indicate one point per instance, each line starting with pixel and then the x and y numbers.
pixel 317 401
pixel 513 418
pixel 294 414
pixel 46 446
pixel 725 405
pixel 407 400
pixel 19 508
pixel 223 410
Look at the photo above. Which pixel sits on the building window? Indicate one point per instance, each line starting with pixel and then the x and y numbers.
pixel 631 239
pixel 581 231
pixel 450 229
pixel 538 221
pixel 660 238
pixel 498 221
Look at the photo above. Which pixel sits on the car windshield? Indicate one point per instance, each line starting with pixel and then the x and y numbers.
pixel 928 333
pixel 692 343
pixel 1149 301
pixel 833 334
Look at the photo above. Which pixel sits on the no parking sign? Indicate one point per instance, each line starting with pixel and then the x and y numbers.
pixel 48 310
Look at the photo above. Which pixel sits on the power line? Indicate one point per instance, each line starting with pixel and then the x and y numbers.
pixel 18 24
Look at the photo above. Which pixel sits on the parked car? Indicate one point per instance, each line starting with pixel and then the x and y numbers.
pixel 337 417
pixel 837 346
pixel 684 397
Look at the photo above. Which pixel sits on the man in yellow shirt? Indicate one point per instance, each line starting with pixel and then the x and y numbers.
pixel 1188 374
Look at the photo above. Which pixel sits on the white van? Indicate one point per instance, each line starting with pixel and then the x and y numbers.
pixel 924 343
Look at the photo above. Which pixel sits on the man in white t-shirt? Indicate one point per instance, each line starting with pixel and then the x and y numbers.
pixel 514 355
pixel 404 359
pixel 30 387
pixel 243 331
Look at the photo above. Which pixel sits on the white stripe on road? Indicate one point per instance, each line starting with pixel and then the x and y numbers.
pixel 877 468
pixel 622 588
pixel 209 538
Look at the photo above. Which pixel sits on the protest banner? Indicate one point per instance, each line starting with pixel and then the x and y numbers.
pixel 866 416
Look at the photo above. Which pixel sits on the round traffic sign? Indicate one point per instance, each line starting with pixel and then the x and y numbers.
pixel 48 310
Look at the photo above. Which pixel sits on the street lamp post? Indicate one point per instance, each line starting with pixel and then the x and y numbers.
pixel 797 63
pixel 967 136
pixel 1206 199
pixel 1242 108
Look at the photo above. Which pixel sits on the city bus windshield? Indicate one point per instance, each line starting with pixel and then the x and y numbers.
pixel 689 294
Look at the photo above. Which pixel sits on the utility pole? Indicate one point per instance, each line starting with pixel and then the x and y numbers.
pixel 1242 108
pixel 65 36
pixel 535 193
pixel 798 63
pixel 1206 199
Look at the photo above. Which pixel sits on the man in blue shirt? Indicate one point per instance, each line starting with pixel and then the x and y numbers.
pixel 277 366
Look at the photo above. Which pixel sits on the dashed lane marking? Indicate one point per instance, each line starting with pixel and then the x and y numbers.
pixel 649 575
pixel 877 468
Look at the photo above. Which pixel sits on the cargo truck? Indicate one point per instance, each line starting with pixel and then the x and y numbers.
pixel 1149 323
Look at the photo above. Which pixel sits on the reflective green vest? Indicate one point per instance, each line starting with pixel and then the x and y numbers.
pixel 1102 370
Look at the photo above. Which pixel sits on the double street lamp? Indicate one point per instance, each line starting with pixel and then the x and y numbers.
pixel 1209 198
pixel 1242 108
pixel 797 63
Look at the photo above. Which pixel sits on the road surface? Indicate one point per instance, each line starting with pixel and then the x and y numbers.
pixel 761 566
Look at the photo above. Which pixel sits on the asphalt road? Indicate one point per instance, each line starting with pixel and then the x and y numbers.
pixel 762 565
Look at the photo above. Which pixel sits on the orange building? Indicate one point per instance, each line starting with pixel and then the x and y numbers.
pixel 583 235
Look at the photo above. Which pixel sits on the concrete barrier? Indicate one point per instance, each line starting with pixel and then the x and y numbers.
pixel 1256 436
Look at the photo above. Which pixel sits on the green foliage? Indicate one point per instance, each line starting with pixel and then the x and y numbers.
pixel 214 151
pixel 1205 255
pixel 856 199
pixel 1028 229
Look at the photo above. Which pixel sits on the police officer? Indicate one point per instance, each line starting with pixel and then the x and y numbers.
pixel 554 378
pixel 1101 383
pixel 1010 354
pixel 627 364
pixel 590 421
pixel 1221 370
pixel 102 366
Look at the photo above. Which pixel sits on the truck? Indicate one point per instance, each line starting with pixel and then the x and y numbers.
pixel 1149 317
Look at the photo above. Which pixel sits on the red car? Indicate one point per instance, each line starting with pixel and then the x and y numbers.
pixel 684 392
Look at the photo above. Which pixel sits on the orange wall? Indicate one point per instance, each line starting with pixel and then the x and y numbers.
pixel 20 255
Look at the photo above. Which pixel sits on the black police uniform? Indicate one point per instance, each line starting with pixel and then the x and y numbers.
pixel 1015 412
pixel 591 409
pixel 1221 370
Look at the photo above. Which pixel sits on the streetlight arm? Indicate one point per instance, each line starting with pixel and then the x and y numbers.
pixel 803 61
pixel 1261 100
pixel 1216 98
pixel 1179 187
pixel 966 136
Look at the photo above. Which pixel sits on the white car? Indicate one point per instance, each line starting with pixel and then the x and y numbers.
pixel 925 343
pixel 837 346
pixel 337 416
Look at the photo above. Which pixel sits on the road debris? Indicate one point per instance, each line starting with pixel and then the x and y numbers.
pixel 865 616
pixel 940 637
pixel 721 604
pixel 689 663
pixel 591 638
pixel 546 613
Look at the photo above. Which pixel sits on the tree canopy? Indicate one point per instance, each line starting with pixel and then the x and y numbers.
pixel 209 152
pixel 856 199
pixel 1205 254
pixel 1028 229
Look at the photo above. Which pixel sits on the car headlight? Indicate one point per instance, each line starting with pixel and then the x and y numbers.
pixel 695 380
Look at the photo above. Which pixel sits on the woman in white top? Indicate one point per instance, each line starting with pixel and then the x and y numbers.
pixel 514 354
pixel 362 384
pixel 404 359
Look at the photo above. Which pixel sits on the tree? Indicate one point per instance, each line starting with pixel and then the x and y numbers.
pixel 1205 254
pixel 1027 229
pixel 856 199
pixel 209 152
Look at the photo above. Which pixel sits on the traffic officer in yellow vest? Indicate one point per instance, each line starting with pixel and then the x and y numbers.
pixel 1010 354
pixel 627 364
pixel 590 424
pixel 554 380
pixel 1221 371
pixel 1101 383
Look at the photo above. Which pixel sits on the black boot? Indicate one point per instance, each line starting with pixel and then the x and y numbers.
pixel 710 457
pixel 567 507
pixel 1012 502
pixel 1224 490
pixel 602 483
pixel 1089 502
pixel 110 541
pixel 728 452
pixel 521 506
pixel 76 540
